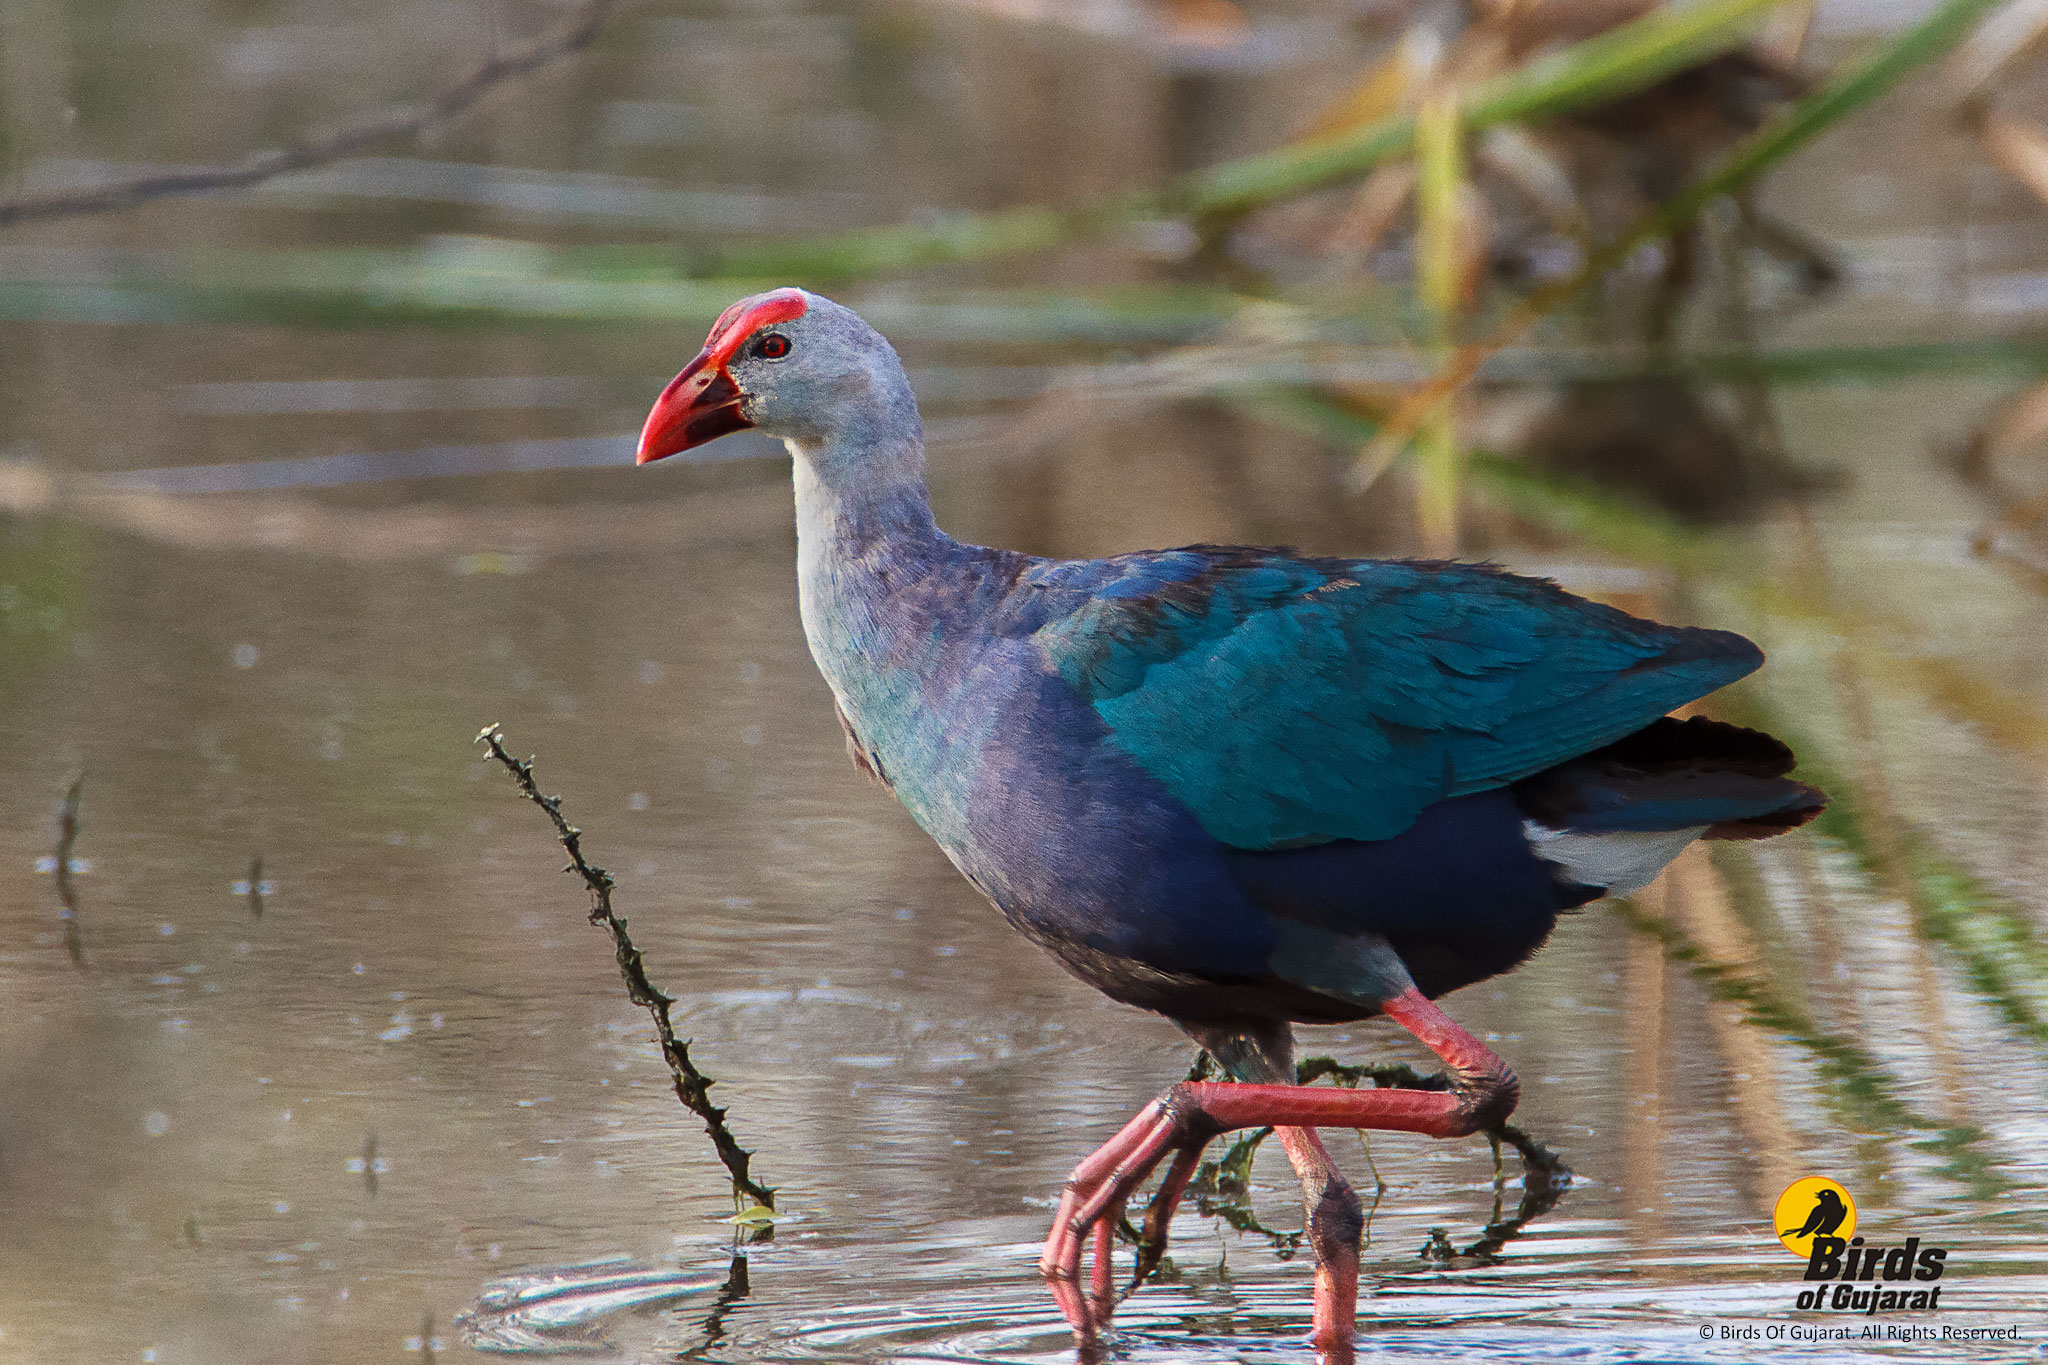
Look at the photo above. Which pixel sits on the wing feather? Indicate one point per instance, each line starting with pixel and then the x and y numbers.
pixel 1290 701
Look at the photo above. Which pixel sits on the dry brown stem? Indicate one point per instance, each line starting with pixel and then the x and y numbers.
pixel 692 1086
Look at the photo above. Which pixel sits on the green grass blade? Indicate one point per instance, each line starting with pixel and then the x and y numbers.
pixel 1619 62
pixel 1439 189
pixel 1839 96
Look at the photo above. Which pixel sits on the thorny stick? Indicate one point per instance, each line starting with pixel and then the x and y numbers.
pixel 67 835
pixel 693 1087
pixel 351 139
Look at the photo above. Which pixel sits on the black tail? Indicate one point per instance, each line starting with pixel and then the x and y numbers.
pixel 1674 773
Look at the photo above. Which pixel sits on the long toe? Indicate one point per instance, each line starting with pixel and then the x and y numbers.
pixel 1094 1201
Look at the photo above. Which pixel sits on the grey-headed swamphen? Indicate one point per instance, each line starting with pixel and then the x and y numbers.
pixel 1242 787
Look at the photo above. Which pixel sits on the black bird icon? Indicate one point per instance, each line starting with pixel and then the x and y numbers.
pixel 1828 1213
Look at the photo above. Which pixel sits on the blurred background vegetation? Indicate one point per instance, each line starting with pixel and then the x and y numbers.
pixel 324 331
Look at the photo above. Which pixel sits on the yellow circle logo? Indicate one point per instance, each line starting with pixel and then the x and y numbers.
pixel 1813 1207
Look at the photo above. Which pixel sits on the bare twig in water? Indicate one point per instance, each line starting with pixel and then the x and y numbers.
pixel 353 138
pixel 692 1086
pixel 67 893
pixel 256 887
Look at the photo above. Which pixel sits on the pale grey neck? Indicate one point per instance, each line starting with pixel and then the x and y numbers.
pixel 863 535
pixel 862 504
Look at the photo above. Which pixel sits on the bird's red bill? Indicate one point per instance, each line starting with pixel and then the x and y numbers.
pixel 703 403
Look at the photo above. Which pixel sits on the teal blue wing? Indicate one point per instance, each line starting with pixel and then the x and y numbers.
pixel 1289 701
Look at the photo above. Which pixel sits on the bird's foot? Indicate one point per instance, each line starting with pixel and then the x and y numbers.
pixel 1094 1201
pixel 1181 1122
pixel 1482 1092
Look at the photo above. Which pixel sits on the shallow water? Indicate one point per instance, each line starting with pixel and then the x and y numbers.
pixel 319 1132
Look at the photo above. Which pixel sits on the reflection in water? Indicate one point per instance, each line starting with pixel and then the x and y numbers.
pixel 563 1310
pixel 1658 441
pixel 185 1161
pixel 63 865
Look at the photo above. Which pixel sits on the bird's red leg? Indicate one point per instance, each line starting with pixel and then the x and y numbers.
pixel 1335 1225
pixel 1483 1092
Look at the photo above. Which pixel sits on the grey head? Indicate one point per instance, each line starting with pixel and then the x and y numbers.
pixel 795 365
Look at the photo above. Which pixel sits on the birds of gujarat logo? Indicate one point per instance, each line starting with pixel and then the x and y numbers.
pixel 1813 1207
pixel 1815 1218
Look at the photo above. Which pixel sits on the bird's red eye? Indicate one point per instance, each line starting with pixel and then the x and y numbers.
pixel 774 346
